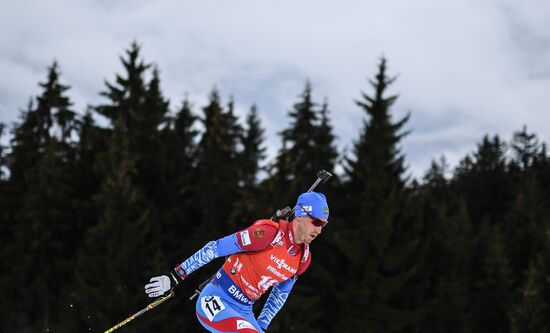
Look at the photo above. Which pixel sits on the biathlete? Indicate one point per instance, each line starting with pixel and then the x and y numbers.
pixel 266 254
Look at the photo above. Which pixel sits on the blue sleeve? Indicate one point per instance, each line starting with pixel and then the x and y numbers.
pixel 212 250
pixel 275 302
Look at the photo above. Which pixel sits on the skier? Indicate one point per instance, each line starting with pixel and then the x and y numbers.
pixel 266 254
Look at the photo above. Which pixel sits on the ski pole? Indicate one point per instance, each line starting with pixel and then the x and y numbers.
pixel 140 312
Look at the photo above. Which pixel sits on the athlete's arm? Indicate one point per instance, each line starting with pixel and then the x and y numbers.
pixel 254 238
pixel 275 301
pixel 212 250
pixel 250 239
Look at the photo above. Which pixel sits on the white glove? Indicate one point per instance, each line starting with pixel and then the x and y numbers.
pixel 159 285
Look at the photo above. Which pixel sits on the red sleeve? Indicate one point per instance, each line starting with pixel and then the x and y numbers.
pixel 304 265
pixel 256 237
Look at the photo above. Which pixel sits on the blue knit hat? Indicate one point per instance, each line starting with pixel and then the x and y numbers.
pixel 312 203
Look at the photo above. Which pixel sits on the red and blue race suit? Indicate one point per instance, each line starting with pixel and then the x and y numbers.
pixel 261 256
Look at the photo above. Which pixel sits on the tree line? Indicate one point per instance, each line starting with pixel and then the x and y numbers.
pixel 88 213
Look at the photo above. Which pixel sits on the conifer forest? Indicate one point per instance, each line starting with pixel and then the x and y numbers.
pixel 90 210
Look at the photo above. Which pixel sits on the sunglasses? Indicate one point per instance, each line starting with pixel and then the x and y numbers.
pixel 315 221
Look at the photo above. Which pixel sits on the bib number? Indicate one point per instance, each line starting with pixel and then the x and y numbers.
pixel 211 306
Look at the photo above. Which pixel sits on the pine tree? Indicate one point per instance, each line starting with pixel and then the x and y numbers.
pixel 180 214
pixel 525 147
pixel 143 111
pixel 308 146
pixel 325 156
pixel 24 145
pixel 42 162
pixel 483 181
pixel 6 233
pixel 148 143
pixel 297 146
pixel 376 153
pixel 253 150
pixel 92 143
pixel 524 221
pixel 51 117
pixel 218 168
pixel 127 165
pixel 327 153
pixel 180 211
pixel 378 266
pixel 119 253
pixel 127 93
pixel 252 204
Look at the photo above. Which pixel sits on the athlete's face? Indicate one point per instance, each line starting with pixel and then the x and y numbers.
pixel 305 231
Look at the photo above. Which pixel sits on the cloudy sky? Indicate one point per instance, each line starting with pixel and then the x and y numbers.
pixel 465 68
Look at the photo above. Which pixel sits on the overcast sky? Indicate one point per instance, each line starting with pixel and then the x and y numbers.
pixel 465 68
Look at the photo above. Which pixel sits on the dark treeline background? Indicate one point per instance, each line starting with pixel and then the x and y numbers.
pixel 89 213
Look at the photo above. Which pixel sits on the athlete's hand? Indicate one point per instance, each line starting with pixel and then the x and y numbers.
pixel 159 286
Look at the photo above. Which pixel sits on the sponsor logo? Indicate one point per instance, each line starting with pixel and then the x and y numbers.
pixel 281 263
pixel 276 272
pixel 235 292
pixel 244 324
pixel 325 210
pixel 250 289
pixel 259 233
pixel 308 209
pixel 245 238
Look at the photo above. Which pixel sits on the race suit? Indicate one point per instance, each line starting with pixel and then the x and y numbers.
pixel 261 256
